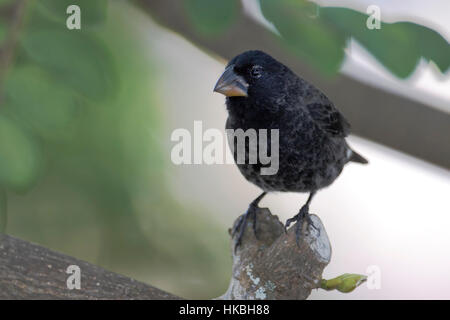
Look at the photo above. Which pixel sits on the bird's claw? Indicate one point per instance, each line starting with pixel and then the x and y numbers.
pixel 299 218
pixel 241 225
pixel 289 221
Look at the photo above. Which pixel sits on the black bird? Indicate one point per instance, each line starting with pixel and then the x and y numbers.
pixel 262 93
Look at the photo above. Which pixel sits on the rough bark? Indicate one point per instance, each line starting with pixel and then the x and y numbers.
pixel 29 271
pixel 273 266
pixel 270 267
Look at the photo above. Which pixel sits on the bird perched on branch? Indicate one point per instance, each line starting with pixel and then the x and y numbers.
pixel 262 93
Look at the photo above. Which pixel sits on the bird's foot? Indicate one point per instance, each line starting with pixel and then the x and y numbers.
pixel 241 225
pixel 300 217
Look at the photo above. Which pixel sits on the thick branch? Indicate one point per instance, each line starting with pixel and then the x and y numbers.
pixel 378 115
pixel 271 266
pixel 29 271
pixel 274 267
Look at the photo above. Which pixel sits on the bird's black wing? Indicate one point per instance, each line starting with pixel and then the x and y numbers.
pixel 328 118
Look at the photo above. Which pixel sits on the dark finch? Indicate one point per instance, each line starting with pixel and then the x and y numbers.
pixel 262 93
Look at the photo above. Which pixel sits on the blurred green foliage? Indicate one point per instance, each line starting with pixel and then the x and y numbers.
pixel 56 10
pixel 3 31
pixel 73 57
pixel 319 35
pixel 308 37
pixel 3 207
pixel 398 46
pixel 80 140
pixel 211 17
pixel 19 156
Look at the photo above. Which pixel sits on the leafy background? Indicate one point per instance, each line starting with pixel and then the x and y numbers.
pixel 79 158
pixel 81 165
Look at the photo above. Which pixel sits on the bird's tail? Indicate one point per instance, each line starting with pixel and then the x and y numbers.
pixel 356 157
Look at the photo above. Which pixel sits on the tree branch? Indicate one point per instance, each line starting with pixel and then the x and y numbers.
pixel 29 271
pixel 269 267
pixel 274 267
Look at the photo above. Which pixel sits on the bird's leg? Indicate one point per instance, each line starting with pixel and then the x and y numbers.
pixel 242 223
pixel 300 217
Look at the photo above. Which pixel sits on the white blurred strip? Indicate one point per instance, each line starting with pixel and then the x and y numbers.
pixel 253 9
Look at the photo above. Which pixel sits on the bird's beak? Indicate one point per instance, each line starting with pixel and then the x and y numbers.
pixel 231 85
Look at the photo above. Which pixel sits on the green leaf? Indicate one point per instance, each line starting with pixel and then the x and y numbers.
pixel 344 283
pixel 433 47
pixel 19 157
pixel 398 46
pixel 77 59
pixel 92 11
pixel 35 99
pixel 306 35
pixel 211 17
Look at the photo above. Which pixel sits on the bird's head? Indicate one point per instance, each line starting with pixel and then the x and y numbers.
pixel 254 76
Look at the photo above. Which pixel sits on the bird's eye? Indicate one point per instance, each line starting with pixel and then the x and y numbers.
pixel 256 72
